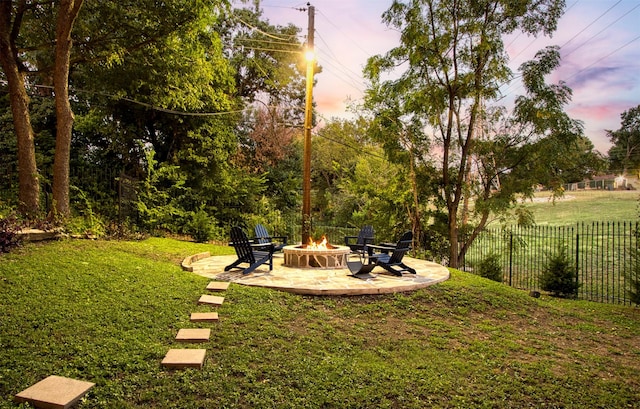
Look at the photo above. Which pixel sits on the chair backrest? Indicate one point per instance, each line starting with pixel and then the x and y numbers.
pixel 402 247
pixel 262 236
pixel 365 236
pixel 241 244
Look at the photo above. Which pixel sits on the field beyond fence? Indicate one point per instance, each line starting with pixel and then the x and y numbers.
pixel 603 253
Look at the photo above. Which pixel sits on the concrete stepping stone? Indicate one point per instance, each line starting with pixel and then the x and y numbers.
pixel 54 392
pixel 193 335
pixel 204 316
pixel 218 285
pixel 211 299
pixel 184 358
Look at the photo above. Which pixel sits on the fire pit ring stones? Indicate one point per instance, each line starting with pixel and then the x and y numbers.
pixel 303 257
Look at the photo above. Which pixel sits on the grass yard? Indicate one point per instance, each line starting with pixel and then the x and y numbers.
pixel 585 206
pixel 107 312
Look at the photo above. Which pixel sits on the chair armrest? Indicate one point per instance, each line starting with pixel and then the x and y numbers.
pixel 283 239
pixel 347 239
pixel 263 247
pixel 382 248
pixel 270 238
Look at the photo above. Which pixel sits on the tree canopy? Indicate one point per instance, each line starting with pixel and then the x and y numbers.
pixel 624 155
pixel 447 72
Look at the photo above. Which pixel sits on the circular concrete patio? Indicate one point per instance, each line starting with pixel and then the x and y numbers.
pixel 318 281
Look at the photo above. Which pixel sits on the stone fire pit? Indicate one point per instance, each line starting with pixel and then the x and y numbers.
pixel 302 257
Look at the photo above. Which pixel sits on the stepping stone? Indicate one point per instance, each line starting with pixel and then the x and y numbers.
pixel 211 299
pixel 184 358
pixel 218 286
pixel 54 392
pixel 193 335
pixel 204 316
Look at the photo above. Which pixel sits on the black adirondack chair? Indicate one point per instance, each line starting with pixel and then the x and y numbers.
pixel 248 253
pixel 361 266
pixel 386 256
pixel 263 237
pixel 358 243
pixel 390 257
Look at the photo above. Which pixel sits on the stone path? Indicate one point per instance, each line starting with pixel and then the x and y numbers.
pixel 181 358
pixel 54 392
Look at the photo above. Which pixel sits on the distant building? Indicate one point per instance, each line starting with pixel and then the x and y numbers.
pixel 602 182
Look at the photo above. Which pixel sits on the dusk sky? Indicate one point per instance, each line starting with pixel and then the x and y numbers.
pixel 599 40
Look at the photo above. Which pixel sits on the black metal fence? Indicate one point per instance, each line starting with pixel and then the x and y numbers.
pixel 604 255
pixel 291 226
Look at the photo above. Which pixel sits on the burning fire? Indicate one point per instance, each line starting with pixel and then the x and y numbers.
pixel 322 244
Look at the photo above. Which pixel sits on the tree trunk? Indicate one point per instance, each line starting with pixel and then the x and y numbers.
pixel 415 215
pixel 67 13
pixel 28 182
pixel 453 239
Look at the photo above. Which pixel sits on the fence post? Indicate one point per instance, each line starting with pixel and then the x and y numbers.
pixel 510 257
pixel 577 262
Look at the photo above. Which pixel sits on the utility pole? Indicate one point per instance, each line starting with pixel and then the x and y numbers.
pixel 308 110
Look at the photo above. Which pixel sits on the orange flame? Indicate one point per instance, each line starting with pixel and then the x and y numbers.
pixel 322 244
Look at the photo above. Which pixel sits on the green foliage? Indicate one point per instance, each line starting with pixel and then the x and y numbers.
pixel 415 109
pixel 202 228
pixel 490 267
pixel 160 196
pixel 83 220
pixel 559 275
pixel 633 277
pixel 626 141
pixel 9 229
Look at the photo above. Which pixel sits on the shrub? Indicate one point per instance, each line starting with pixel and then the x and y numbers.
pixel 633 277
pixel 559 275
pixel 490 267
pixel 9 237
pixel 200 227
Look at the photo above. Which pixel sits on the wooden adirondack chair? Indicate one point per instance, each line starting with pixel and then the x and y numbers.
pixel 253 254
pixel 386 256
pixel 390 257
pixel 364 237
pixel 263 237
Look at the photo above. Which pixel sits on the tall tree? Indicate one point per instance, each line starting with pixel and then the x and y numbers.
pixel 12 15
pixel 105 35
pixel 624 155
pixel 67 13
pixel 538 144
pixel 454 61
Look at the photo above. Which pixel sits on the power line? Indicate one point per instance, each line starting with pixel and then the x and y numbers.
pixel 151 106
pixel 277 37
pixel 257 40
pixel 366 53
pixel 272 50
pixel 518 86
pixel 590 24
pixel 535 38
pixel 345 70
pixel 600 32
pixel 602 58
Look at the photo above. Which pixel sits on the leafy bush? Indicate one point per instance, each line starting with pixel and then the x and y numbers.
pixel 559 275
pixel 201 227
pixel 9 238
pixel 633 277
pixel 490 267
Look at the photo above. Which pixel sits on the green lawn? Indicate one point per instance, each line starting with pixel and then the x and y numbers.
pixel 585 206
pixel 107 312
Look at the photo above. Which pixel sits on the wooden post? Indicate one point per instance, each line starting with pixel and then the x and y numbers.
pixel 306 160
